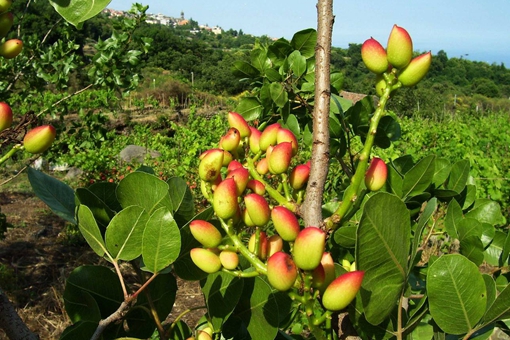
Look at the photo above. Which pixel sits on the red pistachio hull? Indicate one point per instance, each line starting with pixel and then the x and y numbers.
pixel 205 233
pixel 342 290
pixel 309 247
pixel 281 271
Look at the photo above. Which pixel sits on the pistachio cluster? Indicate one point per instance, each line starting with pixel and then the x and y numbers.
pixel 395 65
pixel 255 188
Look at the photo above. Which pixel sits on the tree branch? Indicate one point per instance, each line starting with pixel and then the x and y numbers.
pixel 312 211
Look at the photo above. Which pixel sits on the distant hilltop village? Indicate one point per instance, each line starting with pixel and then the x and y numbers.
pixel 166 20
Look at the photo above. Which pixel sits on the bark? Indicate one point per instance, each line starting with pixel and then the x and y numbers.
pixel 311 209
pixel 11 323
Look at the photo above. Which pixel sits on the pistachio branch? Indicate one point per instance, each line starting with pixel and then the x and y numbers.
pixel 312 207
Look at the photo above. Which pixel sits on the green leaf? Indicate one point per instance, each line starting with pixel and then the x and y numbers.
pixel 182 200
pixel 278 51
pixel 292 123
pixel 124 233
pixel 337 80
pixel 458 176
pixel 105 191
pixel 82 330
pixel 162 292
pixel 141 189
pixel 425 216
pixel 441 172
pixel 259 59
pixel 494 253
pixel 394 181
pixel 500 309
pixel 242 69
pixel 384 235
pixel 55 194
pixel 419 178
pixel 80 305
pixel 99 282
pixel 90 230
pixel 278 94
pixel 492 292
pixel 78 11
pixel 272 75
pixel 506 251
pixel 468 196
pixel 250 108
pixel 258 309
pixel 304 41
pixel 222 292
pixel 457 293
pixel 297 63
pixel 161 241
pixel 487 211
pixel 472 248
pixel 102 213
pixel 452 219
pixel 346 236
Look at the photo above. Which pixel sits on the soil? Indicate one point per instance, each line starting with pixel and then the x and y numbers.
pixel 39 252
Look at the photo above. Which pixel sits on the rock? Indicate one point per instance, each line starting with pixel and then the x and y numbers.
pixel 137 153
pixel 40 164
pixel 73 173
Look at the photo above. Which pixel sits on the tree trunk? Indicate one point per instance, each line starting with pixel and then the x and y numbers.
pixel 11 323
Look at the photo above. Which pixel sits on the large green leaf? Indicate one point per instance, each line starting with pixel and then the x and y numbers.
pixel 56 194
pixel 419 178
pixel 304 41
pixel 161 241
pixel 100 283
pixel 457 293
pixel 222 292
pixel 142 189
pixel 124 233
pixel 182 200
pixel 250 108
pixel 384 235
pixel 258 309
pixel 90 230
pixel 78 11
pixel 458 176
pixel 487 211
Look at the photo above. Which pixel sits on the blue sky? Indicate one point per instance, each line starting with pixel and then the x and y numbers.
pixel 474 29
